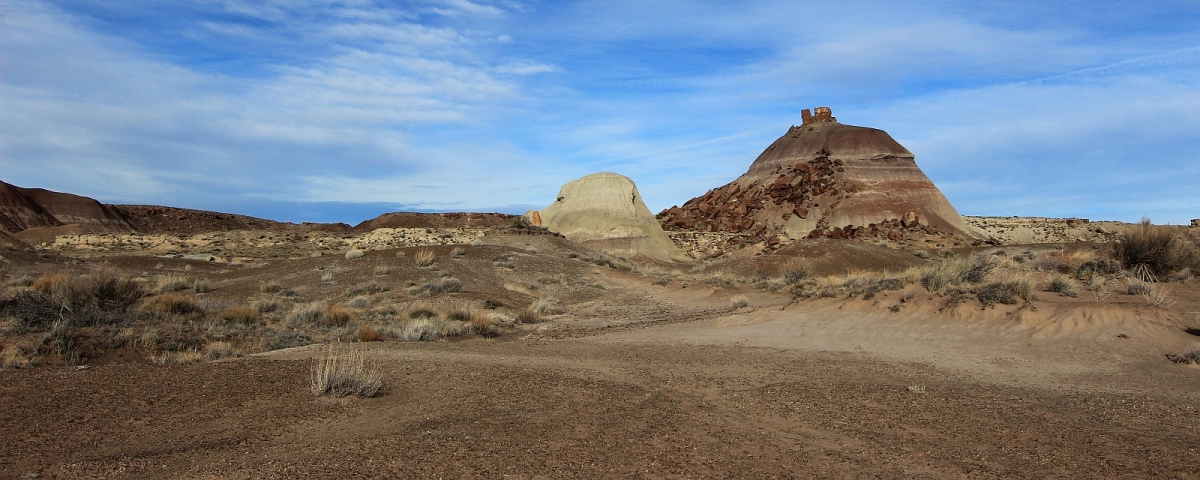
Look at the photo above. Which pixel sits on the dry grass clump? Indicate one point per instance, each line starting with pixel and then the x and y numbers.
pixel 309 313
pixel 267 306
pixel 202 285
pixel 795 274
pixel 1155 295
pixel 180 358
pixel 738 301
pixel 327 277
pixel 23 281
pixel 365 288
pixel 423 258
pixel 529 315
pixel 458 252
pixel 1064 286
pixel 504 261
pixel 217 350
pixel 171 304
pixel 381 271
pixel 271 287
pixel 368 334
pixel 240 315
pixel 172 283
pixel 101 288
pixel 338 316
pixel 953 272
pixel 345 372
pixel 1008 292
pixel 353 254
pixel 359 302
pixel 14 356
pixel 451 284
pixel 547 306
pixel 1158 248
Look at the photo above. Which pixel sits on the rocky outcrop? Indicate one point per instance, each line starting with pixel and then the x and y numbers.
pixel 604 211
pixel 825 179
pixel 436 220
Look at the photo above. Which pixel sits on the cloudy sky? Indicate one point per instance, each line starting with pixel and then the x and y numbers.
pixel 314 110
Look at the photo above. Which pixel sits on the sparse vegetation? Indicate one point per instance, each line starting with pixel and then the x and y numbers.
pixel 240 315
pixel 172 304
pixel 1063 286
pixel 359 302
pixel 738 301
pixel 1158 249
pixel 423 258
pixel 171 283
pixel 1008 292
pixel 381 271
pixel 458 252
pixel 343 372
pixel 353 254
pixel 202 286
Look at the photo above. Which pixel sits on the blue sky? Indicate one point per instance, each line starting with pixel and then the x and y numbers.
pixel 312 110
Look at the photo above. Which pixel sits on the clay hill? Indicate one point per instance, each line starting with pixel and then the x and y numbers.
pixel 31 208
pixel 435 220
pixel 825 179
pixel 604 211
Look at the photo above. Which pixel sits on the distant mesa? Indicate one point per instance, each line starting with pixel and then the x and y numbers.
pixel 825 179
pixel 604 211
pixel 435 220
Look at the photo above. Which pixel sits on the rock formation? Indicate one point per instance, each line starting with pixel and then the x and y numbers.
pixel 19 212
pixel 825 179
pixel 604 211
pixel 70 209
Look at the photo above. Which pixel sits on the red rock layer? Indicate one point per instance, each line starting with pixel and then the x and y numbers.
pixel 83 211
pixel 824 179
pixel 19 212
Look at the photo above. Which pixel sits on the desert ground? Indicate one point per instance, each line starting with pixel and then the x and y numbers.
pixel 511 352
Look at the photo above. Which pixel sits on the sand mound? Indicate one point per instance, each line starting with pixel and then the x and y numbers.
pixel 825 179
pixel 604 211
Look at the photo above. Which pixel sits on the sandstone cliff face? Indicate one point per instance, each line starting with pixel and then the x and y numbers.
pixel 604 211
pixel 825 179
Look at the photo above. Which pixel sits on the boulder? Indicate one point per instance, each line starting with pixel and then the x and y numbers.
pixel 604 211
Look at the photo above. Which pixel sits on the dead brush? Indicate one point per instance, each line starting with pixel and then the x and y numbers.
pixel 529 315
pixel 102 288
pixel 368 334
pixel 1063 285
pixel 240 315
pixel 343 372
pixel 171 283
pixel 1008 292
pixel 1190 356
pixel 172 304
pixel 338 316
pixel 423 258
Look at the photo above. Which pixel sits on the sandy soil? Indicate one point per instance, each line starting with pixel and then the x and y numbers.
pixel 673 384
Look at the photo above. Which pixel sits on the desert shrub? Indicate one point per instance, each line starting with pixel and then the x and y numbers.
pixel 23 281
pixel 1006 292
pixel 30 310
pixel 353 254
pixel 1181 276
pixel 483 325
pixel 422 312
pixel 1063 286
pixel 381 271
pixel 979 269
pixel 1098 266
pixel 882 285
pixel 504 261
pixel 368 334
pixel 476 243
pixel 1140 288
pixel 275 339
pixel 359 302
pixel 14 356
pixel 307 314
pixel 738 301
pixel 172 304
pixel 240 315
pixel 183 357
pixel 549 281
pixel 171 283
pixel 430 329
pixel 794 275
pixel 458 252
pixel 1158 248
pixel 365 288
pixel 327 277
pixel 529 315
pixel 271 287
pixel 429 289
pixel 423 258
pixel 344 372
pixel 101 289
pixel 547 306
pixel 267 306
pixel 202 286
pixel 945 274
pixel 451 284
pixel 216 350
pixel 490 304
pixel 338 316
pixel 663 281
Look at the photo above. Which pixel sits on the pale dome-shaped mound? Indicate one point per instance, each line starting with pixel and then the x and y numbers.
pixel 604 211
